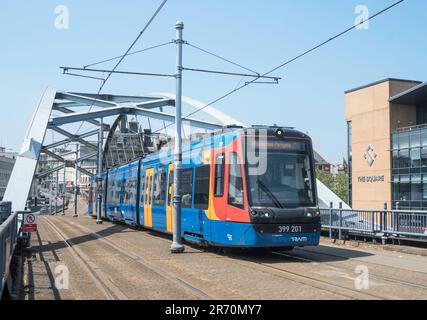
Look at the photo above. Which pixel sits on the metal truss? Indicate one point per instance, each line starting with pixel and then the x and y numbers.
pixel 69 106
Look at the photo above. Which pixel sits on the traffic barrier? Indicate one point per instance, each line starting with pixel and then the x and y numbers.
pixel 411 224
pixel 8 239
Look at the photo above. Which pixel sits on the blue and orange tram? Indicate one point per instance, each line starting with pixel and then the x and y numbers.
pixel 241 187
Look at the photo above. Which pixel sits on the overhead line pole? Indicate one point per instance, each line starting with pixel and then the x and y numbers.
pixel 177 246
pixel 76 182
pixel 99 187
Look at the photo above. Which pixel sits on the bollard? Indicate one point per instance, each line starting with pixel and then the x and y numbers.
pixel 331 205
pixel 373 220
pixel 340 231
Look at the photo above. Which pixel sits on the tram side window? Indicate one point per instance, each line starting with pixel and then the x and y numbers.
pixel 142 189
pixel 235 189
pixel 187 188
pixel 170 188
pixel 118 190
pixel 112 190
pixel 148 190
pixel 132 190
pixel 160 187
pixel 126 193
pixel 201 190
pixel 219 175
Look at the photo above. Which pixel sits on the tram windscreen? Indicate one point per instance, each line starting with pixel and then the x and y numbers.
pixel 282 174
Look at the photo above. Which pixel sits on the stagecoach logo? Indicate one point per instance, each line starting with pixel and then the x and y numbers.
pixel 370 155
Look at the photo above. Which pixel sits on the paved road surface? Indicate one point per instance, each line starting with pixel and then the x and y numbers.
pixel 111 261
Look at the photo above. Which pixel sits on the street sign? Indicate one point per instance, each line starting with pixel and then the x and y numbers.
pixel 30 222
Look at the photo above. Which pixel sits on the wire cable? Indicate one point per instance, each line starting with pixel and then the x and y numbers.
pixel 125 54
pixel 294 59
pixel 129 54
pixel 221 58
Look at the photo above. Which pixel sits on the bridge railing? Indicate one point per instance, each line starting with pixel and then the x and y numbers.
pixel 8 239
pixel 376 222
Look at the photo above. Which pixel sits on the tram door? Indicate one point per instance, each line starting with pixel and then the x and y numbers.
pixel 148 213
pixel 169 205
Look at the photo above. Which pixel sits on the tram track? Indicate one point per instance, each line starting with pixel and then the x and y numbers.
pixel 373 276
pixel 343 289
pixel 323 285
pixel 355 259
pixel 82 261
pixel 196 292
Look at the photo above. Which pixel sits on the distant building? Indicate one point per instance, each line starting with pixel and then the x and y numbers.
pixel 83 180
pixel 321 163
pixel 7 161
pixel 387 144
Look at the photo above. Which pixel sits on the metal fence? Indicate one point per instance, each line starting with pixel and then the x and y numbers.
pixel 8 237
pixel 376 222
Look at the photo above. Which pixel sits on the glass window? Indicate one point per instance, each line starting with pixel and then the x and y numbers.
pixel 159 188
pixel 235 186
pixel 416 158
pixel 415 139
pixel 201 190
pixel 416 187
pixel 404 159
pixel 287 180
pixel 404 140
pixel 187 188
pixel 395 191
pixel 424 157
pixel 424 138
pixel 424 191
pixel 395 159
pixel 148 184
pixel 170 188
pixel 219 174
pixel 126 191
pixel 405 188
pixel 142 192
pixel 395 139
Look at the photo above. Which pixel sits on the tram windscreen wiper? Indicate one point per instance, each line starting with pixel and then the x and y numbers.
pixel 268 192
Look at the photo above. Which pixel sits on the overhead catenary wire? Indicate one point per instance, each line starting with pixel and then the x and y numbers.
pixel 129 54
pixel 294 58
pixel 126 53
pixel 221 58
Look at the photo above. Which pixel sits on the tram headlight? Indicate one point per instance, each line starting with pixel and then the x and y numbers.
pixel 253 212
pixel 280 133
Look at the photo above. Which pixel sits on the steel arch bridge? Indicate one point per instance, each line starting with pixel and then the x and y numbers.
pixel 57 110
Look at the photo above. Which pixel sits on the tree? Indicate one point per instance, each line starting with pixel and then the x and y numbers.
pixel 338 183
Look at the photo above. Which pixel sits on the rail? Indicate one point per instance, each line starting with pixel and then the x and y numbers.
pixel 8 239
pixel 411 224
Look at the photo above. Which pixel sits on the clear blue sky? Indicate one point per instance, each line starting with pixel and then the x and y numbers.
pixel 258 34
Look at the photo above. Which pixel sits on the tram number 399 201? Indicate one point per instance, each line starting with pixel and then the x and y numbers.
pixel 290 229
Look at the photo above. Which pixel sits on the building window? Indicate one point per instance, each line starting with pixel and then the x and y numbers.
pixel 415 139
pixel 404 159
pixel 404 140
pixel 416 158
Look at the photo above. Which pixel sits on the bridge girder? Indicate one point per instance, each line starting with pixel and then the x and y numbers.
pixel 44 119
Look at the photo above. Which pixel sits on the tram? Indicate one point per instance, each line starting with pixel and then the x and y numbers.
pixel 240 187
